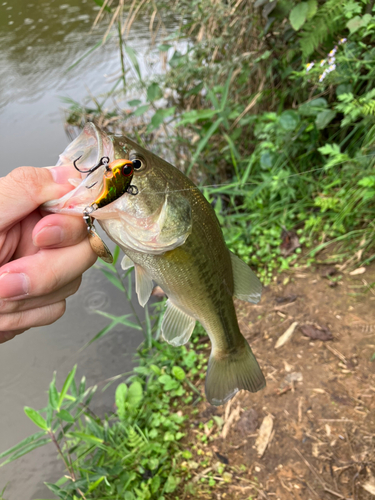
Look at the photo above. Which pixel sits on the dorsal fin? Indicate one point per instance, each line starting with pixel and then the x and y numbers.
pixel 246 284
pixel 177 326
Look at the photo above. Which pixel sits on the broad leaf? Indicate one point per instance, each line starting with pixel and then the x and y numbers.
pixel 36 418
pixel 135 394
pixel 298 15
pixel 324 118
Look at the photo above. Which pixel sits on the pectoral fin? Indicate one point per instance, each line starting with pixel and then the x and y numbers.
pixel 246 285
pixel 126 263
pixel 143 285
pixel 177 326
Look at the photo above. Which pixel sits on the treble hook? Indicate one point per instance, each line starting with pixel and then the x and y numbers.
pixel 103 161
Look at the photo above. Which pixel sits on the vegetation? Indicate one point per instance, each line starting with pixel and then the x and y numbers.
pixel 270 108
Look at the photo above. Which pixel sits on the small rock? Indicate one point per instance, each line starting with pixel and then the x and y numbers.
pixel 316 332
pixel 223 459
pixel 248 422
pixel 285 300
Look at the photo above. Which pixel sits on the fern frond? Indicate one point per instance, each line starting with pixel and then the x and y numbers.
pixel 369 108
pixel 134 439
pixel 326 22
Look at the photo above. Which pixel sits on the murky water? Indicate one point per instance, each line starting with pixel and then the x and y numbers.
pixel 39 40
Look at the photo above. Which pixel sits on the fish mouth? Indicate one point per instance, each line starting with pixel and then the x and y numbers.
pixel 87 150
pixel 91 145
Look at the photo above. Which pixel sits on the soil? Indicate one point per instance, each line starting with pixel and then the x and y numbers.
pixel 318 409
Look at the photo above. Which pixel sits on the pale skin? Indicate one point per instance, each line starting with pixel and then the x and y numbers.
pixel 42 257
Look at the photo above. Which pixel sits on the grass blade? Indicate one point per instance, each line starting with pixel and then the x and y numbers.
pixel 203 142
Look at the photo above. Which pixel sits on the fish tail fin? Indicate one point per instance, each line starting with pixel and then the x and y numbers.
pixel 228 373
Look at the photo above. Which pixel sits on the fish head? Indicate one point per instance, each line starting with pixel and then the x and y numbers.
pixel 153 218
pixel 84 153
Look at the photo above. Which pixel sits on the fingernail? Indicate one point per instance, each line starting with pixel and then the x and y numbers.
pixel 48 236
pixel 14 285
pixel 60 174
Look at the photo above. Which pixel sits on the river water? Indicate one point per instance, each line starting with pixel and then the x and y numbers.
pixel 39 40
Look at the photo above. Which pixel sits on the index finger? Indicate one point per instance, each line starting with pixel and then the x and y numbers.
pixel 24 189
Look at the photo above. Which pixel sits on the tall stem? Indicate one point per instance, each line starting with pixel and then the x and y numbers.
pixel 121 54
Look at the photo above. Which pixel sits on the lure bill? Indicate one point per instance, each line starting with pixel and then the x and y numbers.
pixel 117 179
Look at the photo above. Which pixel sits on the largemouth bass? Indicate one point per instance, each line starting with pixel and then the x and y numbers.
pixel 171 235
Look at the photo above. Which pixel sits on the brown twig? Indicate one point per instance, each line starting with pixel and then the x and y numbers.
pixel 324 485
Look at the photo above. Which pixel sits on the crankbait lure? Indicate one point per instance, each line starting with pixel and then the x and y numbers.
pixel 116 182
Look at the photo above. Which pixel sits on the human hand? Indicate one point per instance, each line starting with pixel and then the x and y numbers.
pixel 41 258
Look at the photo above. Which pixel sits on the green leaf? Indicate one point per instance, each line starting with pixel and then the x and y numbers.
pixel 312 108
pixel 100 3
pixel 324 118
pixel 289 120
pixel 88 438
pixel 141 110
pixel 224 95
pixel 159 117
pixel 113 279
pixel 65 415
pixel 155 369
pixel 368 181
pixel 27 449
pixel 154 92
pixel 66 386
pixel 133 58
pixel 373 357
pixel 94 485
pixel 169 436
pixel 164 47
pixel 135 394
pixel 171 484
pixel 36 418
pixel 116 255
pixel 298 15
pixel 102 332
pixel 23 443
pixel 203 142
pixel 312 8
pixel 53 395
pixel 134 102
pixel 120 396
pixel 195 115
pixel 178 373
pixel 155 484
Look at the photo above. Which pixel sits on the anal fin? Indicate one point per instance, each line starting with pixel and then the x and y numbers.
pixel 177 326
pixel 246 284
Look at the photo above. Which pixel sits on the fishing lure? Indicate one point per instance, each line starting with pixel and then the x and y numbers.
pixel 116 182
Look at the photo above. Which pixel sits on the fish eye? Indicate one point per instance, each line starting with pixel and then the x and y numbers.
pixel 138 163
pixel 127 170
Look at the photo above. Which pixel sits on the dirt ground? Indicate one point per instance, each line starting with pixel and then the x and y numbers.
pixel 316 417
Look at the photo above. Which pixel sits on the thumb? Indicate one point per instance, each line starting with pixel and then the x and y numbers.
pixel 26 188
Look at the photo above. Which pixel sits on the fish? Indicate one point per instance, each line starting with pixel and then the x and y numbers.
pixel 170 233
